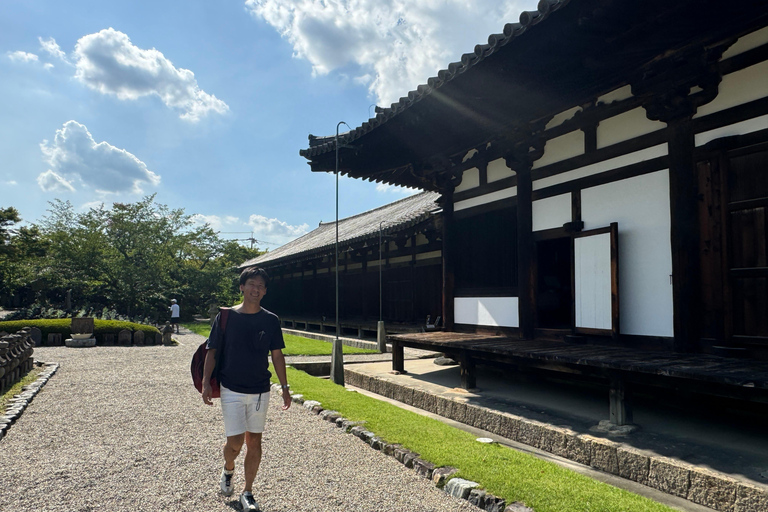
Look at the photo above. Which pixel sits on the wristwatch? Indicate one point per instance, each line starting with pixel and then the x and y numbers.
pixel 285 386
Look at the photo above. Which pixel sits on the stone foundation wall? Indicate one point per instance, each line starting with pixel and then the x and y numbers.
pixel 696 484
pixel 15 357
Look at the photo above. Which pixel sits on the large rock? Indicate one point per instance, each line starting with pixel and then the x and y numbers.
pixel 460 488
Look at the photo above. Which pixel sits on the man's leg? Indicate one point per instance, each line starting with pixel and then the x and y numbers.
pixel 232 450
pixel 252 459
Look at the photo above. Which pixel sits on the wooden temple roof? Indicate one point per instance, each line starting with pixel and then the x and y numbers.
pixel 395 217
pixel 557 57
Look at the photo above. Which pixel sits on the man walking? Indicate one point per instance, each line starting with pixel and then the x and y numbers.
pixel 250 335
pixel 175 314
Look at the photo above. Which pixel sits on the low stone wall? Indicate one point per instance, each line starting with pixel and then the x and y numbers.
pixel 696 484
pixel 15 357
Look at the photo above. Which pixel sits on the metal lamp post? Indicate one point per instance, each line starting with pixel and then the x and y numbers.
pixel 337 357
pixel 381 333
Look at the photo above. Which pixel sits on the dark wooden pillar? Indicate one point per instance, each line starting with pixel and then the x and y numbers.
pixel 448 256
pixel 525 251
pixel 666 87
pixel 684 234
pixel 528 149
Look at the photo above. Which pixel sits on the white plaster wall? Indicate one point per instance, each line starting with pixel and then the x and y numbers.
pixel 619 94
pixel 487 198
pixel 428 255
pixel 737 88
pixel 625 127
pixel 640 205
pixel 469 179
pixel 561 148
pixel 605 165
pixel 551 212
pixel 498 170
pixel 747 42
pixel 490 311
pixel 562 117
pixel 748 126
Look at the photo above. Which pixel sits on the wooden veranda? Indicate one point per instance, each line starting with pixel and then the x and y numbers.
pixel 618 367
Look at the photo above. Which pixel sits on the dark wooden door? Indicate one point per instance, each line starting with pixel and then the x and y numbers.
pixel 734 246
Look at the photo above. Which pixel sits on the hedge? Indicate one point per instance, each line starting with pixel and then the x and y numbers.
pixel 62 325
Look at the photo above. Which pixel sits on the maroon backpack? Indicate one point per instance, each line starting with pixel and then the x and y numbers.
pixel 198 360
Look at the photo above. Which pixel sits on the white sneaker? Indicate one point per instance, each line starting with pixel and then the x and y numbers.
pixel 247 502
pixel 226 482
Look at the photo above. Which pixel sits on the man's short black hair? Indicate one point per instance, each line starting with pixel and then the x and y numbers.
pixel 252 272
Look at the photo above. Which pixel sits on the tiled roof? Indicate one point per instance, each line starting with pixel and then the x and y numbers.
pixel 322 145
pixel 395 216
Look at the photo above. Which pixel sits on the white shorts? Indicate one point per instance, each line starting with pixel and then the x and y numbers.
pixel 242 412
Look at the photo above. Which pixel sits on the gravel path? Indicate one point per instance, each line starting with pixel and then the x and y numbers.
pixel 122 428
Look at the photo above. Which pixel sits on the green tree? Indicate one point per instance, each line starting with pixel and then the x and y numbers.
pixel 21 251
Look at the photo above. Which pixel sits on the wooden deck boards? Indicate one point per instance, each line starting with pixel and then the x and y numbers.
pixel 701 367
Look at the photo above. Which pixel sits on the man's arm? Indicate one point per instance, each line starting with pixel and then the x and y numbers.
pixel 278 361
pixel 210 364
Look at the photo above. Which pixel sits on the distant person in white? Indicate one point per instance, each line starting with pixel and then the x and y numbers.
pixel 175 313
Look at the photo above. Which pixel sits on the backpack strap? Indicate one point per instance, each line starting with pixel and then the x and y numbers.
pixel 224 315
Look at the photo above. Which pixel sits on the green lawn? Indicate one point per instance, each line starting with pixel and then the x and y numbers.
pixel 294 345
pixel 515 476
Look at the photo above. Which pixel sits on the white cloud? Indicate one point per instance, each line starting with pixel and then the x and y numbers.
pixel 384 188
pixel 262 226
pixel 108 62
pixel 75 156
pixel 215 221
pixel 52 48
pixel 11 182
pixel 19 56
pixel 49 181
pixel 401 43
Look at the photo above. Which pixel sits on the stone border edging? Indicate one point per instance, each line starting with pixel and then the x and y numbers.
pixel 441 476
pixel 19 403
pixel 696 484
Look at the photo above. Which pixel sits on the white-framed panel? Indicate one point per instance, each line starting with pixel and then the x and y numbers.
pixel 488 311
pixel 640 206
pixel 592 281
pixel 552 212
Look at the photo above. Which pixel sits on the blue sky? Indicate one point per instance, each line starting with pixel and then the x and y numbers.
pixel 207 104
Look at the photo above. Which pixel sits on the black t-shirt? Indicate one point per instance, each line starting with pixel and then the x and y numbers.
pixel 248 340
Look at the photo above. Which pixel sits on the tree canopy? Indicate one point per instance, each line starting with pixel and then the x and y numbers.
pixel 132 257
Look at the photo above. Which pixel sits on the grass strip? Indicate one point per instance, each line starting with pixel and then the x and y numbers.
pixel 512 475
pixel 29 378
pixel 294 345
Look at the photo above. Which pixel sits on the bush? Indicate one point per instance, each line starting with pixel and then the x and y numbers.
pixel 62 325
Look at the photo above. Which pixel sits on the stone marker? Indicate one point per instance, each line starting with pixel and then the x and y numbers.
pixel 167 333
pixel 82 326
pixel 109 339
pixel 138 338
pixel 36 335
pixel 124 337
pixel 54 339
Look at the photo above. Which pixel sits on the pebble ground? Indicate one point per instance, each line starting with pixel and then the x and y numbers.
pixel 123 429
